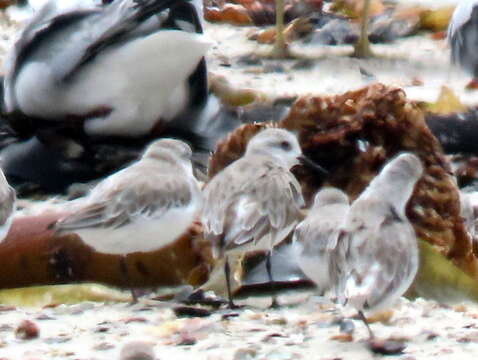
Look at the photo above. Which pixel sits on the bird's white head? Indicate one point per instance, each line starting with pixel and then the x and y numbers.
pixel 395 183
pixel 405 166
pixel 329 196
pixel 169 150
pixel 277 143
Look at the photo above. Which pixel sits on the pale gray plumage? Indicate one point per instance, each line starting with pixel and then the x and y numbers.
pixel 382 257
pixel 140 208
pixel 468 211
pixel 463 36
pixel 254 197
pixel 320 250
pixel 8 206
pixel 255 202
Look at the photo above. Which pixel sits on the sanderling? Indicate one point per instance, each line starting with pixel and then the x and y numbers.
pixel 319 252
pixel 8 201
pixel 117 68
pixel 255 202
pixel 141 208
pixel 463 36
pixel 382 251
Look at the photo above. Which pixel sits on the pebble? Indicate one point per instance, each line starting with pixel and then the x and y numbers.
pixel 137 350
pixel 245 354
pixel 347 326
pixel 103 346
pixel 27 330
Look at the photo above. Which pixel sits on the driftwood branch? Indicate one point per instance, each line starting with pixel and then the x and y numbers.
pixel 33 255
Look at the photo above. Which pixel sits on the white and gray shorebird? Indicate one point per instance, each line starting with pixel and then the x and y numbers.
pixel 320 250
pixel 119 68
pixel 8 206
pixel 141 208
pixel 255 202
pixel 382 252
pixel 463 36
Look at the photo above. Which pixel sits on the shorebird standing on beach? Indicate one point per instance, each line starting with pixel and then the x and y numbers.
pixel 382 256
pixel 463 37
pixel 141 208
pixel 255 202
pixel 8 205
pixel 320 251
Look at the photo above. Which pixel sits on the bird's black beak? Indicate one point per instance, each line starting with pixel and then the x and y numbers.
pixel 304 160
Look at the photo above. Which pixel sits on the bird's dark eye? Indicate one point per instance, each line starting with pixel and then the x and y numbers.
pixel 285 145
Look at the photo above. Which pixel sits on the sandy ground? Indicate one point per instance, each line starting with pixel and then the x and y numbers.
pixel 303 329
pixel 404 63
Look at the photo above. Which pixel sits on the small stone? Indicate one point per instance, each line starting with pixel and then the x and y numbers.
pixel 386 347
pixel 135 320
pixel 186 339
pixel 343 337
pixel 244 354
pixel 137 350
pixel 27 330
pixel 7 308
pixel 304 64
pixel 347 327
pixel 230 315
pixel 278 321
pixel 249 60
pixel 429 335
pixel 273 68
pixel 471 337
pixel 101 329
pixel 383 317
pixel 103 346
pixel 182 311
pixel 460 308
pixel 57 340
pixel 6 327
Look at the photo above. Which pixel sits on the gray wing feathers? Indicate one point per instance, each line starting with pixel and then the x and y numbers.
pixel 81 33
pixel 321 240
pixel 268 198
pixel 118 207
pixel 382 261
pixel 398 263
pixel 7 201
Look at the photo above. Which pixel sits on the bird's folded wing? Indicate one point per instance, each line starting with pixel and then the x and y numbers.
pixel 268 197
pixel 48 20
pixel 142 199
pixel 381 259
pixel 87 31
pixel 319 234
pixel 7 199
pixel 395 257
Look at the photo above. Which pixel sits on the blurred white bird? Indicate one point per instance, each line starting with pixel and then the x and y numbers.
pixel 255 202
pixel 463 36
pixel 316 240
pixel 382 256
pixel 120 69
pixel 8 206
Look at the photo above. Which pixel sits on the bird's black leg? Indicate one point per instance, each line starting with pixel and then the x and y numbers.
pixel 364 320
pixel 271 280
pixel 227 274
pixel 124 270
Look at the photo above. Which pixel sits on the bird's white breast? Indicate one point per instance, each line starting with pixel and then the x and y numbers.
pixel 143 235
pixel 141 81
